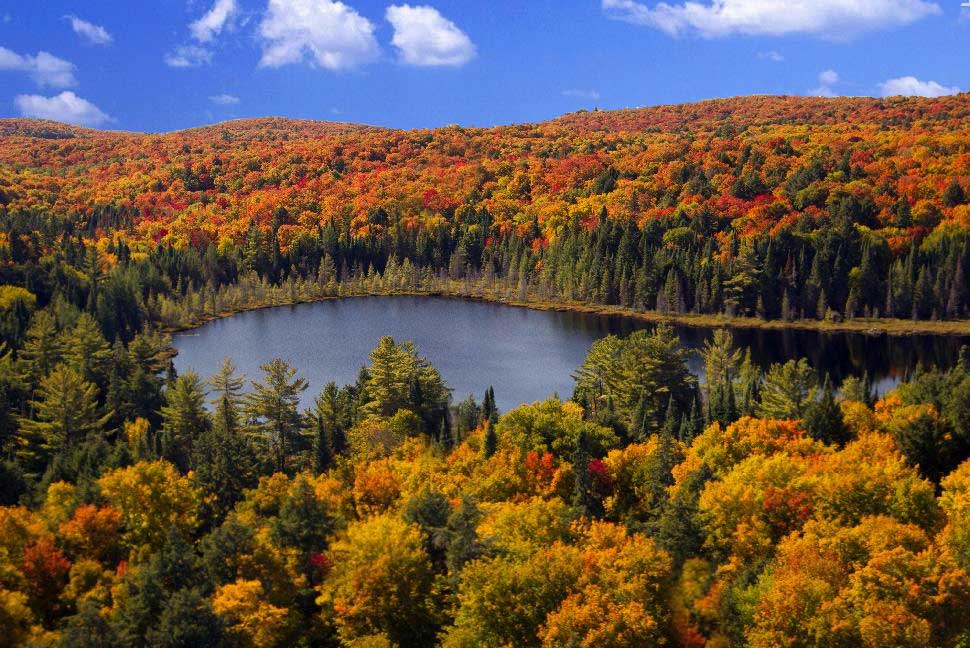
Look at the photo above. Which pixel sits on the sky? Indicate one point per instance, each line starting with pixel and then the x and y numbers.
pixel 163 65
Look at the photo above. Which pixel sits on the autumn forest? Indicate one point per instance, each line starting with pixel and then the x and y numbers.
pixel 761 506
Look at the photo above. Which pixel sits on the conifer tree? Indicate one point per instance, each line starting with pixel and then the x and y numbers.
pixel 64 412
pixel 273 406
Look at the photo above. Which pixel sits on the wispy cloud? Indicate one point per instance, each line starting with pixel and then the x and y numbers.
pixel 829 19
pixel 95 34
pixel 224 99
pixel 826 79
pixel 206 28
pixel 186 56
pixel 772 55
pixel 581 94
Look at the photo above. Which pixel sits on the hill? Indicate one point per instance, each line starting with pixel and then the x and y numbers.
pixel 736 202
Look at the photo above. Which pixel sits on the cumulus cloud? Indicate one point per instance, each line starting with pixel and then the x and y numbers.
pixel 186 56
pixel 576 93
pixel 206 28
pixel 224 99
pixel 66 107
pixel 90 32
pixel 424 37
pixel 328 33
pixel 830 19
pixel 910 86
pixel 44 68
pixel 772 55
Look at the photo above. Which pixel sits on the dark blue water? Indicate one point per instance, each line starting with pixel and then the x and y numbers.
pixel 526 355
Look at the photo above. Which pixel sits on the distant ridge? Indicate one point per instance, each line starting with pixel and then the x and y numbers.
pixel 751 110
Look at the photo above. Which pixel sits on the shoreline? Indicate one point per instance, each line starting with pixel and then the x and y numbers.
pixel 859 326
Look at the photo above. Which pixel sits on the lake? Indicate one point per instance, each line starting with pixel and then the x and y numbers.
pixel 527 355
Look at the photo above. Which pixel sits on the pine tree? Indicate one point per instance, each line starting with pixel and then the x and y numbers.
pixel 184 419
pixel 273 406
pixel 824 420
pixel 65 412
pixel 488 404
pixel 490 440
pixel 227 398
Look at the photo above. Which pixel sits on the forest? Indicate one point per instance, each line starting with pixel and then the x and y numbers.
pixel 776 208
pixel 762 507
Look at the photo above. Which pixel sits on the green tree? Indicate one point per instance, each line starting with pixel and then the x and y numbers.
pixel 273 406
pixel 824 420
pixel 65 412
pixel 86 350
pixel 398 378
pixel 787 391
pixel 184 419
pixel 226 389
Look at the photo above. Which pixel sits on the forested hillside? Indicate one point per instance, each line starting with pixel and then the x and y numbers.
pixel 779 208
pixel 764 507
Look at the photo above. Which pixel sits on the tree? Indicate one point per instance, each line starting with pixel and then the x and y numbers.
pixel 273 406
pixel 398 378
pixel 490 440
pixel 66 412
pixel 381 583
pixel 639 374
pixel 954 194
pixel 824 420
pixel 42 349
pixel 153 499
pixel 787 391
pixel 187 621
pixel 328 427
pixel 184 419
pixel 226 388
pixel 585 499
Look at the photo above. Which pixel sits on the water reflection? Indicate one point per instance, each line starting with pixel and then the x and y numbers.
pixel 527 355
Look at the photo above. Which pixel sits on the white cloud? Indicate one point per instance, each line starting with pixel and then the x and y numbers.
pixel 773 56
pixel 333 35
pixel 830 19
pixel 822 91
pixel 95 34
pixel 65 107
pixel 224 99
pixel 424 37
pixel 910 86
pixel 828 77
pixel 212 23
pixel 581 94
pixel 44 68
pixel 185 56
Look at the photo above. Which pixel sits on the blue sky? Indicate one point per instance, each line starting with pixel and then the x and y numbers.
pixel 171 64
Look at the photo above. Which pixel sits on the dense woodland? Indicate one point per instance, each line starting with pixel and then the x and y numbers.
pixel 763 507
pixel 779 208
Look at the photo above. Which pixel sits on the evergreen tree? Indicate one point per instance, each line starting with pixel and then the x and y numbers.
pixel 272 406
pixel 64 413
pixel 184 419
pixel 787 391
pixel 490 440
pixel 824 420
pixel 585 501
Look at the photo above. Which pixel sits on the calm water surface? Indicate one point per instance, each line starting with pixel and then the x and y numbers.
pixel 526 355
